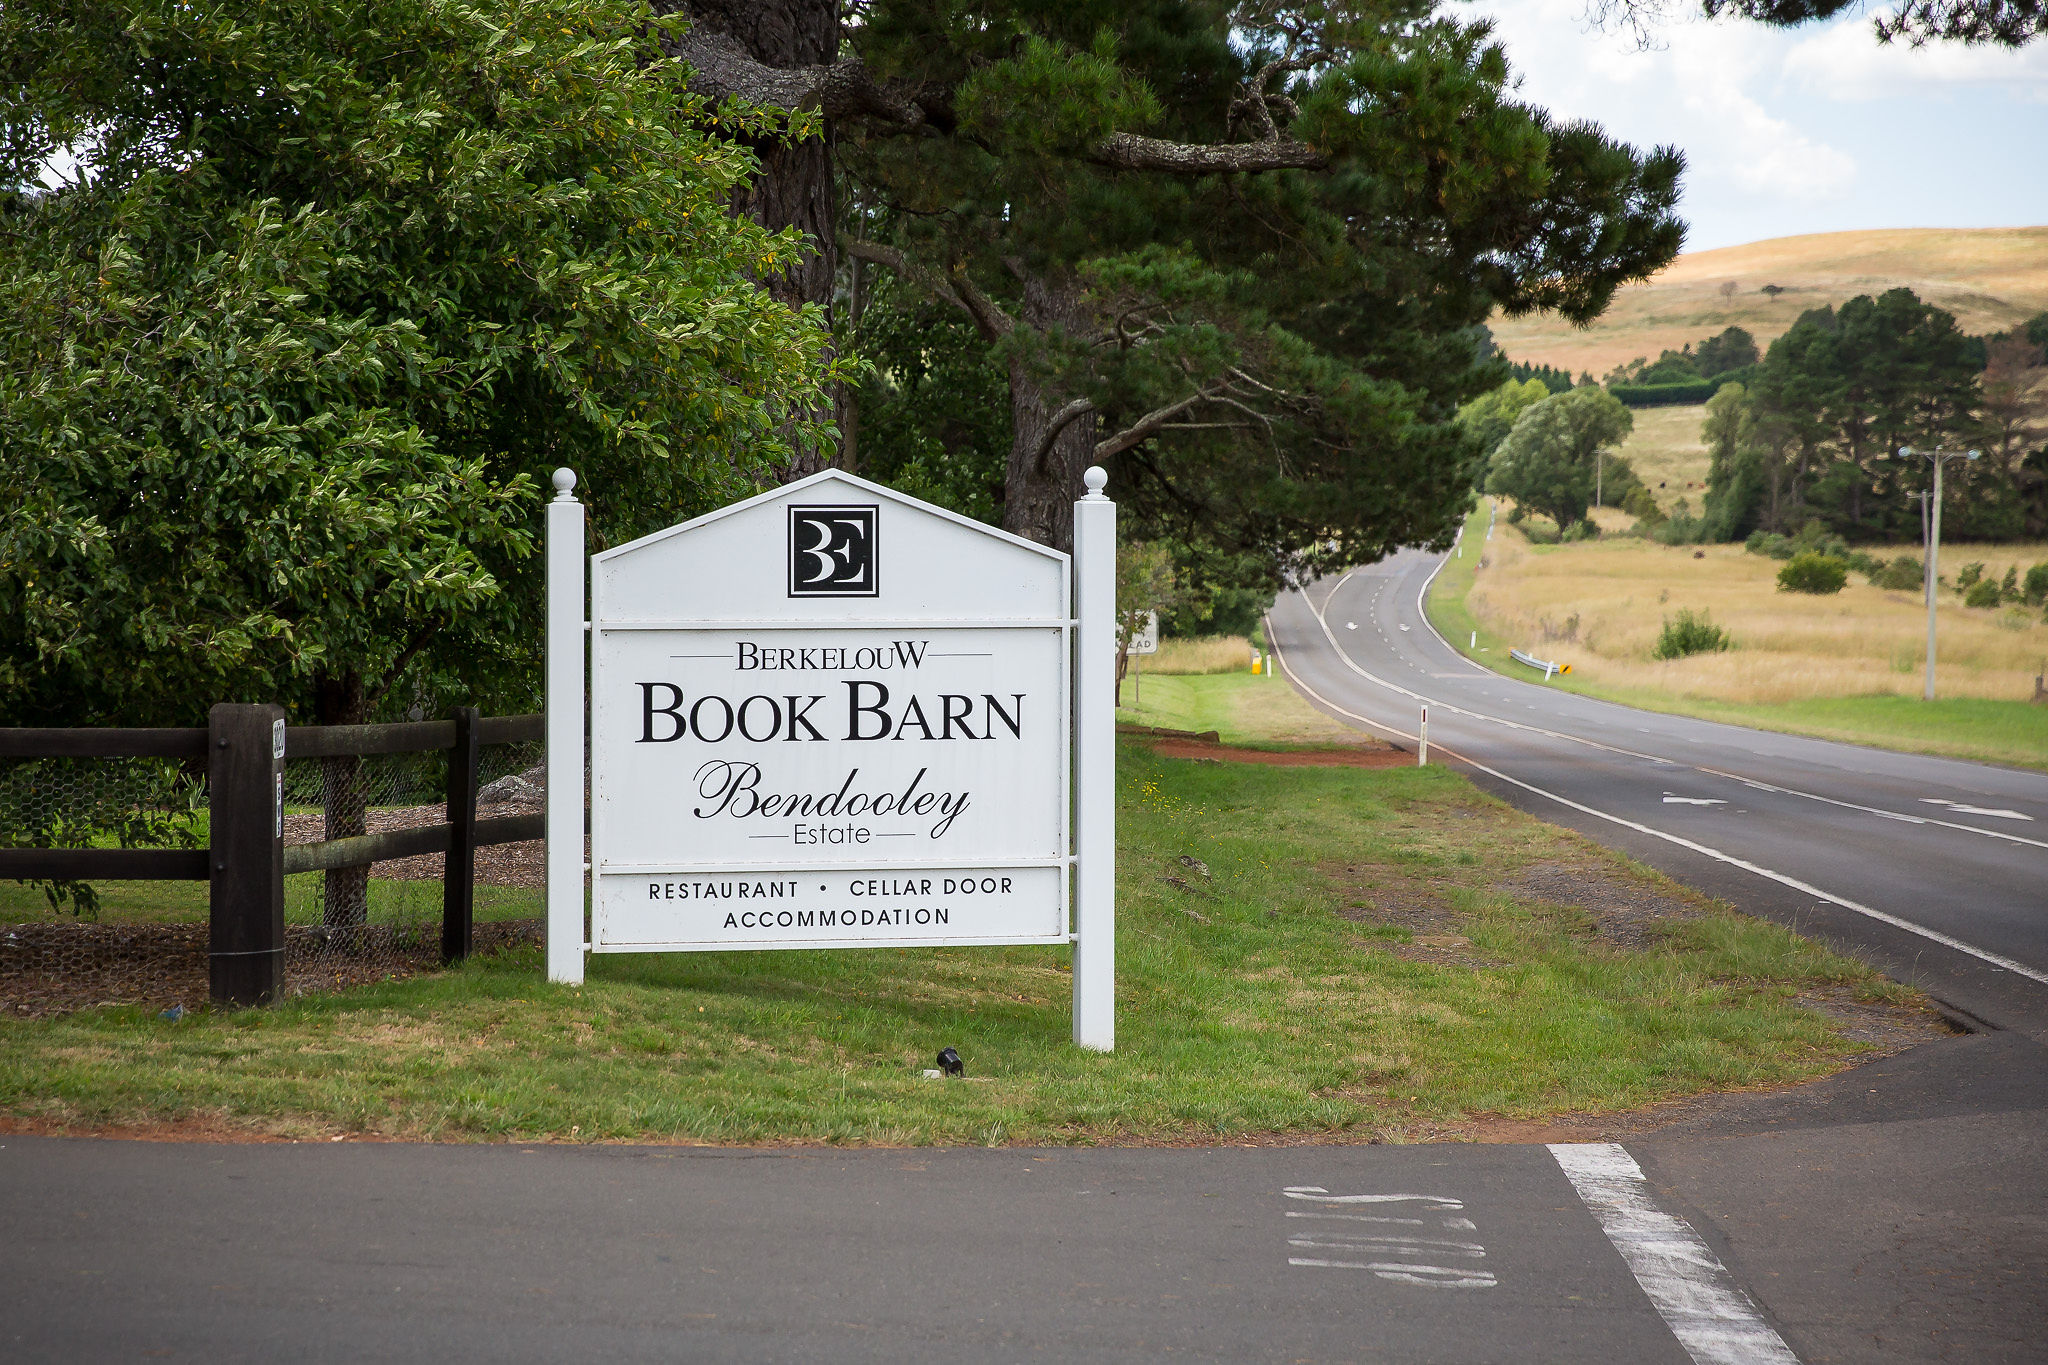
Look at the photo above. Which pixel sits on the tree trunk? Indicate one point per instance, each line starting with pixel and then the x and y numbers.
pixel 1041 482
pixel 345 902
pixel 795 186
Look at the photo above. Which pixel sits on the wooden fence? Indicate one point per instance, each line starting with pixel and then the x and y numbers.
pixel 246 860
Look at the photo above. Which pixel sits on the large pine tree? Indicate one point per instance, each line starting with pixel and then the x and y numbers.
pixel 1234 252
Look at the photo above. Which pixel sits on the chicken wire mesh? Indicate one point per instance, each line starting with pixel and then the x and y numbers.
pixel 352 925
pixel 67 943
pixel 80 943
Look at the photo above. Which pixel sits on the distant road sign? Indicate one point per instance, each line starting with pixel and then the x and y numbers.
pixel 1146 641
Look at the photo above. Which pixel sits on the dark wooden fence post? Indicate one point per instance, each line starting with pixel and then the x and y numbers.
pixel 245 780
pixel 458 874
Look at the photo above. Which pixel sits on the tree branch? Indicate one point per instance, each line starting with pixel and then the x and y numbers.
pixel 841 89
pixel 1080 407
pixel 1148 426
pixel 1130 152
pixel 953 287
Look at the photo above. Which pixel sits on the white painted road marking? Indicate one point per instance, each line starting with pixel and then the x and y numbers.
pixel 1960 809
pixel 1671 800
pixel 1693 1292
pixel 1410 1257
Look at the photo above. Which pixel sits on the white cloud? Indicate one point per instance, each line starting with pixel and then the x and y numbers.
pixel 1794 131
pixel 1735 137
pixel 1846 62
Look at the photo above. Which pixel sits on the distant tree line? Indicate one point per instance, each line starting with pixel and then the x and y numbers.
pixel 1807 434
pixel 1813 434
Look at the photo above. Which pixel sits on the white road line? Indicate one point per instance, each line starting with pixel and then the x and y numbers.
pixel 1960 809
pixel 1806 888
pixel 1692 1291
pixel 1353 665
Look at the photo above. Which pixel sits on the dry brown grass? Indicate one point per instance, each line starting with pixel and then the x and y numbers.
pixel 1789 646
pixel 1666 452
pixel 1202 654
pixel 1990 278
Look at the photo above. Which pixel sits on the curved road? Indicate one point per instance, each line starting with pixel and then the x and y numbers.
pixel 1934 869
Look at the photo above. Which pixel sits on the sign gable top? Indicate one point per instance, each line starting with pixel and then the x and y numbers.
pixel 830 548
pixel 817 482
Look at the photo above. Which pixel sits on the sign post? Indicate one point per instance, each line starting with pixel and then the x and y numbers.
pixel 564 807
pixel 832 716
pixel 1143 641
pixel 1095 768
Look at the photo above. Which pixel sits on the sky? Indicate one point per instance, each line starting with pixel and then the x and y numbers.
pixel 1816 129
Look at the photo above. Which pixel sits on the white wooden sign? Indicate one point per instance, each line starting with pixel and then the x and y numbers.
pixel 833 716
pixel 1145 640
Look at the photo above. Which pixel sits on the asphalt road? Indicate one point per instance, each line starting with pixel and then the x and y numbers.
pixel 1787 1227
pixel 1935 869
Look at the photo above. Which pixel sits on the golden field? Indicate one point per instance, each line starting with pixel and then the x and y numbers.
pixel 1666 452
pixel 1199 654
pixel 1600 605
pixel 1990 278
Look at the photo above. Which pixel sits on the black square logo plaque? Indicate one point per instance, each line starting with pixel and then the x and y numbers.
pixel 832 552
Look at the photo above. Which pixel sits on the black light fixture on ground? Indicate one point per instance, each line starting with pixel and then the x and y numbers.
pixel 1935 457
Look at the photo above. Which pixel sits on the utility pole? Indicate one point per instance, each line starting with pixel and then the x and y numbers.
pixel 1936 457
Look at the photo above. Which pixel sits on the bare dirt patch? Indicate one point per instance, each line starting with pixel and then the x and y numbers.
pixel 1622 910
pixel 1361 756
pixel 52 969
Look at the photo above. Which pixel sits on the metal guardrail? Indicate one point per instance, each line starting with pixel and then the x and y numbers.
pixel 1550 668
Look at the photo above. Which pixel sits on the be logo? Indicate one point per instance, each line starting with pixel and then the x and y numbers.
pixel 832 552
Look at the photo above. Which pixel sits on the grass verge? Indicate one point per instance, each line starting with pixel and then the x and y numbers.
pixel 1257 711
pixel 2014 733
pixel 1318 952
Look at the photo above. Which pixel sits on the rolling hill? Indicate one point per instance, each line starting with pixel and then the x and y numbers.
pixel 1990 278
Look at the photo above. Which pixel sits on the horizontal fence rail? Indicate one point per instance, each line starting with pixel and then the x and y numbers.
pixel 183 743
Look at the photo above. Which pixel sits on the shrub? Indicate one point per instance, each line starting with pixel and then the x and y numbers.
pixel 2036 587
pixel 2009 590
pixel 1755 543
pixel 1861 562
pixel 1814 573
pixel 1641 504
pixel 1983 592
pixel 1967 576
pixel 1901 574
pixel 1579 530
pixel 1688 633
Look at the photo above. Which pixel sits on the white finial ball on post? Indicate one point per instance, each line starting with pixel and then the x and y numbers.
pixel 1097 479
pixel 565 482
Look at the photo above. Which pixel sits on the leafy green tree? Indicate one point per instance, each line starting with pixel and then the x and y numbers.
pixel 1234 252
pixel 1733 349
pixel 1735 468
pixel 1145 582
pixel 1491 416
pixel 328 292
pixel 1550 460
pixel 1846 388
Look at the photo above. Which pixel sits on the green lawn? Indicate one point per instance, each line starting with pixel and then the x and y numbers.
pixel 2009 732
pixel 1359 954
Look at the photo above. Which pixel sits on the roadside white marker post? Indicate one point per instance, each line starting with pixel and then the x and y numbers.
pixel 1422 749
pixel 565 583
pixel 1095 766
pixel 1475 639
